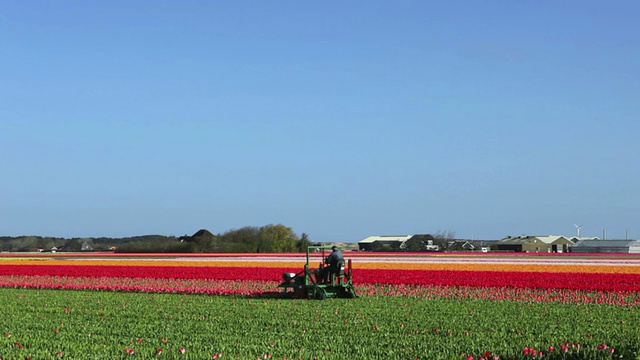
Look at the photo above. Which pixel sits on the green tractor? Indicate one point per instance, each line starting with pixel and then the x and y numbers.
pixel 320 283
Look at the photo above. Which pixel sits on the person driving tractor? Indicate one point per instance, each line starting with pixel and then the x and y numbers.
pixel 334 264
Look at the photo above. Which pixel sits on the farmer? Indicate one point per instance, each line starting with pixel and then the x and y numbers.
pixel 334 263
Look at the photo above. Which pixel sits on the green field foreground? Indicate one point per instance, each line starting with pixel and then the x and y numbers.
pixel 39 324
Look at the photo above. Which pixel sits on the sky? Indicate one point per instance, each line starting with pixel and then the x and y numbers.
pixel 340 120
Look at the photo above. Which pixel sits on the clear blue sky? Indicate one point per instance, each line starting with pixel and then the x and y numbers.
pixel 338 119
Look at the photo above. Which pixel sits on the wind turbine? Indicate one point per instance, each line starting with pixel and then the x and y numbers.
pixel 579 227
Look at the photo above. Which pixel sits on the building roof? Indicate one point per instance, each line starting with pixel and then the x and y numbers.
pixel 372 239
pixel 547 239
pixel 203 232
pixel 518 240
pixel 550 238
pixel 607 243
pixel 575 238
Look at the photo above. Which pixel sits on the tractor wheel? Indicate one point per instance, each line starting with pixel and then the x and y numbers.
pixel 346 293
pixel 352 292
pixel 320 294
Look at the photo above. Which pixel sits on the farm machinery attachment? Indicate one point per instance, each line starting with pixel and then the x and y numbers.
pixel 332 279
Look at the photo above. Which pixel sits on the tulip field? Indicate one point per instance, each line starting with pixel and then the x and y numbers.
pixel 411 306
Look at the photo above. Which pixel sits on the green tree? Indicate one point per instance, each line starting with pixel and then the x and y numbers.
pixel 281 238
pixel 74 244
pixel 246 239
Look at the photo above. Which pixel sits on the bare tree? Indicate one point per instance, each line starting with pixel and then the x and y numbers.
pixel 444 239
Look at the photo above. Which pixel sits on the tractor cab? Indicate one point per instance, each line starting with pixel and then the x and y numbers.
pixel 321 282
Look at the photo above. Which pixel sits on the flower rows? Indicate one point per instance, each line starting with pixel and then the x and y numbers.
pixel 393 320
pixel 267 289
pixel 532 280
pixel 508 267
pixel 550 265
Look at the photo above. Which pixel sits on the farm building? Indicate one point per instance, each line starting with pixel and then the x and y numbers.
pixel 202 234
pixel 470 245
pixel 382 242
pixel 396 242
pixel 534 243
pixel 608 246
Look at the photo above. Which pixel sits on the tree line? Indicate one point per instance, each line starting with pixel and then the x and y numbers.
pixel 249 239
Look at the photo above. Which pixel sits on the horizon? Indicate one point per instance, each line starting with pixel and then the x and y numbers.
pixel 337 241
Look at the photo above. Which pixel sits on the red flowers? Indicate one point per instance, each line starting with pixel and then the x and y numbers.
pixel 515 279
pixel 605 347
pixel 210 278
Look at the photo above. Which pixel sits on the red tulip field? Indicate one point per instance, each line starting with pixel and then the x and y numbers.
pixel 413 306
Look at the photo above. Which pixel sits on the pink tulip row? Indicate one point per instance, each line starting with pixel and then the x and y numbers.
pixel 152 285
pixel 269 288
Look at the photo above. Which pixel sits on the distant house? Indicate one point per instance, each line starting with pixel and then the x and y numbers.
pixel 534 243
pixel 397 243
pixel 200 235
pixel 607 246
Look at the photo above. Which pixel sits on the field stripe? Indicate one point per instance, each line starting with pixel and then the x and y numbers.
pixel 608 267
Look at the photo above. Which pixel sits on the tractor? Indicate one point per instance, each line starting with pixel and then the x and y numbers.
pixel 309 283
